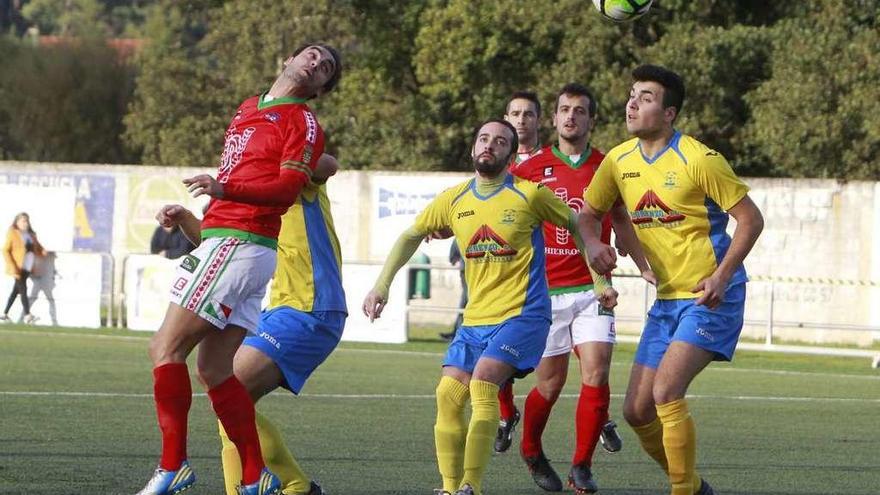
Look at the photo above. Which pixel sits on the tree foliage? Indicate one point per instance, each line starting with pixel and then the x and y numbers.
pixel 780 88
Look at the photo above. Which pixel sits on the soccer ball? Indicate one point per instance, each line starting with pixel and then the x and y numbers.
pixel 622 10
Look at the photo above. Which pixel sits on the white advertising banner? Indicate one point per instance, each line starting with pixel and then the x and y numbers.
pixel 147 282
pixel 391 327
pixel 66 291
pixel 396 201
pixel 51 210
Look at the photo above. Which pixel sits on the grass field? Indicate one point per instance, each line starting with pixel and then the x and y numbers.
pixel 77 418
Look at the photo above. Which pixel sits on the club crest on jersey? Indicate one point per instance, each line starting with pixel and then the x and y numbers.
pixel 671 180
pixel 508 216
pixel 651 212
pixel 486 246
pixel 307 153
pixel 273 116
pixel 233 148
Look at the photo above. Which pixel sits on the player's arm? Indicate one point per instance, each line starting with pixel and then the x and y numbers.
pixel 716 178
pixel 281 191
pixel 626 236
pixel 402 251
pixel 171 215
pixel 434 217
pixel 326 168
pixel 749 224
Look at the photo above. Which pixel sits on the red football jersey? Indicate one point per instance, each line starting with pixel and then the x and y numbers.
pixel 565 264
pixel 270 152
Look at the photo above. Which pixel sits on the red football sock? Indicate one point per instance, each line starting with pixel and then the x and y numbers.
pixel 505 399
pixel 591 416
pixel 173 394
pixel 535 416
pixel 235 410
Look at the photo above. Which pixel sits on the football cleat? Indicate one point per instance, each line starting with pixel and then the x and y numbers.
pixel 543 473
pixel 610 438
pixel 581 479
pixel 268 484
pixel 315 489
pixel 705 488
pixel 166 482
pixel 504 437
pixel 465 490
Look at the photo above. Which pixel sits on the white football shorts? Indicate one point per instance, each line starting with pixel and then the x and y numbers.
pixel 223 281
pixel 577 317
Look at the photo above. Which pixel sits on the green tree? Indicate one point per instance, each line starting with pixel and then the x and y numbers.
pixel 819 115
pixel 63 103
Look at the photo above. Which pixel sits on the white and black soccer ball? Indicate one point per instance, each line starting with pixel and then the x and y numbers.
pixel 622 10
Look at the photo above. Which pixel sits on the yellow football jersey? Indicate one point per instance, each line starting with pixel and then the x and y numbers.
pixel 677 201
pixel 308 274
pixel 501 240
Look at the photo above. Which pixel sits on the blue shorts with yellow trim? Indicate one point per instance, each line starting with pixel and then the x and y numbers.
pixel 715 330
pixel 517 341
pixel 296 341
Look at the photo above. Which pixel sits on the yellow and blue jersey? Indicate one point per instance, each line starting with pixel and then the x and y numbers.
pixel 501 240
pixel 308 275
pixel 677 201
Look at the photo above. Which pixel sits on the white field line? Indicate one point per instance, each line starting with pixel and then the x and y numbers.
pixel 431 396
pixel 440 354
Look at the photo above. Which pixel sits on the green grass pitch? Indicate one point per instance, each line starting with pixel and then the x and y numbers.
pixel 77 418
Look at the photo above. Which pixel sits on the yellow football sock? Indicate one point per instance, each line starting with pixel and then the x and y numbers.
pixel 481 432
pixel 680 444
pixel 277 457
pixel 231 462
pixel 279 460
pixel 651 438
pixel 450 430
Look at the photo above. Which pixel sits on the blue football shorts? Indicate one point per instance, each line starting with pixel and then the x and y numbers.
pixel 716 330
pixel 298 342
pixel 518 341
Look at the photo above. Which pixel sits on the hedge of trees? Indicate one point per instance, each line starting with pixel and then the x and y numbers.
pixel 780 88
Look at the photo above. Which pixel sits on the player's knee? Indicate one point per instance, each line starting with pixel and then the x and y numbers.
pixel 667 392
pixel 637 415
pixel 595 376
pixel 551 388
pixel 211 376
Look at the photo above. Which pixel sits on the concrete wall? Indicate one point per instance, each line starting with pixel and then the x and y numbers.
pixel 815 229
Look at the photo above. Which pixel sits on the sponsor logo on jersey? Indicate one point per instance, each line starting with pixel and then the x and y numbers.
pixel 179 284
pixel 630 175
pixel 273 116
pixel 576 203
pixel 548 171
pixel 463 214
pixel 702 332
pixel 487 246
pixel 190 263
pixel 510 350
pixel 651 211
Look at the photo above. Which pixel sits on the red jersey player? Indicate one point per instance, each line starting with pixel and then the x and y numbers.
pixel 272 145
pixel 579 323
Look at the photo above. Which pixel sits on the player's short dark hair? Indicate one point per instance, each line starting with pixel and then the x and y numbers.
pixel 673 84
pixel 337 64
pixel 578 90
pixel 525 95
pixel 514 142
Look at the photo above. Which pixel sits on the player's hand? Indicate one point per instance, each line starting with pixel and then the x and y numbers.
pixel 713 292
pixel 619 246
pixel 171 215
pixel 608 299
pixel 204 184
pixel 444 233
pixel 374 303
pixel 650 277
pixel 601 257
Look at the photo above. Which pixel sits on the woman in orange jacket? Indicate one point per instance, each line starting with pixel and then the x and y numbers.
pixel 20 252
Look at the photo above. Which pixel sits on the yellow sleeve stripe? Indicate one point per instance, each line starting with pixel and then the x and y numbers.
pixel 299 166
